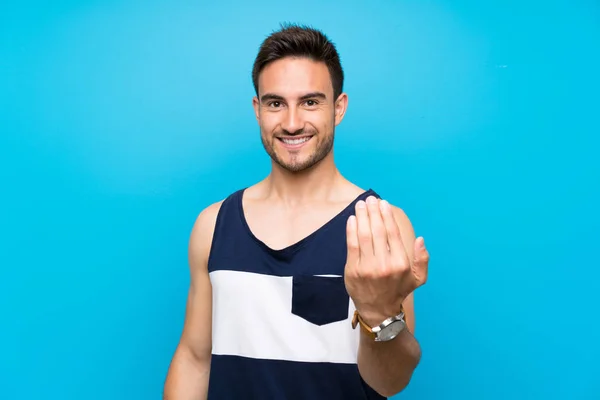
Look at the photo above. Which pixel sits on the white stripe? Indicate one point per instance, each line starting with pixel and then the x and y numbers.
pixel 252 318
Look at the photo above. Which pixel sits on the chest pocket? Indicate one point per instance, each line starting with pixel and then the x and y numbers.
pixel 320 300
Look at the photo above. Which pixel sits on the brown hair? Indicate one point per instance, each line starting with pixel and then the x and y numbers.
pixel 300 41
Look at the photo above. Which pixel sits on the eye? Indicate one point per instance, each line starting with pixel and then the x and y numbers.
pixel 311 103
pixel 274 104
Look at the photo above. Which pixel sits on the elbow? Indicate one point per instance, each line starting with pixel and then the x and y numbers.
pixel 201 358
pixel 394 388
pixel 192 360
pixel 402 380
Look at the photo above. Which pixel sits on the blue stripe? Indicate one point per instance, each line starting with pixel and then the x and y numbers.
pixel 319 300
pixel 235 248
pixel 235 378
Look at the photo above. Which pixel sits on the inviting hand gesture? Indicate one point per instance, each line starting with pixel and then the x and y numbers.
pixel 379 274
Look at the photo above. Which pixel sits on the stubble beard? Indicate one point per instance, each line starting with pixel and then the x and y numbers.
pixel 295 165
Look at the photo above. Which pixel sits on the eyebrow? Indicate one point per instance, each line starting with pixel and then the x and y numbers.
pixel 312 95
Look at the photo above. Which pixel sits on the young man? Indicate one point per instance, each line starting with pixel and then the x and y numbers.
pixel 302 284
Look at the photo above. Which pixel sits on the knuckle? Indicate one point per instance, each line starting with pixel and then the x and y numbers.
pixel 400 264
pixel 367 274
pixel 364 235
pixel 353 245
pixel 394 232
pixel 352 274
pixel 387 273
pixel 378 233
pixel 384 264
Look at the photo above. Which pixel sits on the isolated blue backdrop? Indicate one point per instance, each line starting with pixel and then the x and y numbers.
pixel 120 121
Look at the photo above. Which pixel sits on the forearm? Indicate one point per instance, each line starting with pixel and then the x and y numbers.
pixel 388 366
pixel 187 378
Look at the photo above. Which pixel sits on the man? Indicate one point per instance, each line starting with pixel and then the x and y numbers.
pixel 302 284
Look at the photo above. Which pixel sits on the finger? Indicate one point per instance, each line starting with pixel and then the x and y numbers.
pixel 421 261
pixel 394 238
pixel 419 245
pixel 352 242
pixel 365 240
pixel 378 231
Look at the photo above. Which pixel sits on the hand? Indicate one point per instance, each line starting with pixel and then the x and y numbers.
pixel 379 274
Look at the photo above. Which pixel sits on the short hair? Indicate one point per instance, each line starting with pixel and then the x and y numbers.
pixel 300 41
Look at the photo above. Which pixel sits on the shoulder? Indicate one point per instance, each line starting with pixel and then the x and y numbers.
pixel 202 234
pixel 406 228
pixel 401 218
pixel 204 225
pixel 208 215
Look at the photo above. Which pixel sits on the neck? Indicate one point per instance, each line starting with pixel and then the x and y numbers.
pixel 313 184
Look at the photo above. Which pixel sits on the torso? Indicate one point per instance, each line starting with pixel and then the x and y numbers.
pixel 281 325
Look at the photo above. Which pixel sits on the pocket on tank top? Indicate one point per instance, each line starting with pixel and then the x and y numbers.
pixel 320 300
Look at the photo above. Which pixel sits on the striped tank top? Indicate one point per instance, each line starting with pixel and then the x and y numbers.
pixel 281 325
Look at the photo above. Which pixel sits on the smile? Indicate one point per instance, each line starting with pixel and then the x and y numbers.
pixel 294 143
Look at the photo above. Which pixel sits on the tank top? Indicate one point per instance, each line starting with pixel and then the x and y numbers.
pixel 281 327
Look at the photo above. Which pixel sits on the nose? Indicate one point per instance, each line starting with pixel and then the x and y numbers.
pixel 292 122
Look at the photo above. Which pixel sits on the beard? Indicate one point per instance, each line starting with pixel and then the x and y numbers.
pixel 300 162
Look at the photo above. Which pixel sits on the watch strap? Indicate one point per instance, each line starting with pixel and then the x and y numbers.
pixel 357 320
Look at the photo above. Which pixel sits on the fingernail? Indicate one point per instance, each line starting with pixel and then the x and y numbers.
pixel 422 242
pixel 371 200
pixel 360 204
pixel 384 204
pixel 351 224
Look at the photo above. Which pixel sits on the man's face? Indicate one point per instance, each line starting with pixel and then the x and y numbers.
pixel 297 113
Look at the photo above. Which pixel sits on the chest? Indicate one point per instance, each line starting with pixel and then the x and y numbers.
pixel 280 227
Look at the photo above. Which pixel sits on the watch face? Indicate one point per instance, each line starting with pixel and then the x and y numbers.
pixel 391 331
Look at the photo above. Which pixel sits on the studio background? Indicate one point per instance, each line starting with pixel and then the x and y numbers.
pixel 121 121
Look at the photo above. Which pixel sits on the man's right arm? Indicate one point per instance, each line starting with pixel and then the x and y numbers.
pixel 189 370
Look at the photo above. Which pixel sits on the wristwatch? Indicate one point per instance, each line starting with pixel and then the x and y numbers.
pixel 387 330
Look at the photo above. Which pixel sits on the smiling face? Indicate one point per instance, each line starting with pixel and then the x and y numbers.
pixel 297 113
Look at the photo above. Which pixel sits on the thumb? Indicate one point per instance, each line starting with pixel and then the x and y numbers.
pixel 421 261
pixel 418 248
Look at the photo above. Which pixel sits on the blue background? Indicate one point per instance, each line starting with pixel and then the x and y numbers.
pixel 120 121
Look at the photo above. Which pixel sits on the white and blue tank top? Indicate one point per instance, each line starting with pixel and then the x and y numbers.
pixel 281 326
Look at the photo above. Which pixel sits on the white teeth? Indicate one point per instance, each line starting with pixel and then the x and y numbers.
pixel 295 141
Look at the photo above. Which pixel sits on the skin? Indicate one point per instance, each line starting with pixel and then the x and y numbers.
pixel 189 370
pixel 303 191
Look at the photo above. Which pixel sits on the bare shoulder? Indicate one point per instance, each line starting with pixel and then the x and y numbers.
pixel 208 215
pixel 202 235
pixel 406 227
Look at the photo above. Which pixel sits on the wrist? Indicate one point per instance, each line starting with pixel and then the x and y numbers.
pixel 374 317
pixel 387 328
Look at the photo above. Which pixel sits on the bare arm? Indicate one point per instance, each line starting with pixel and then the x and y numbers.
pixel 189 370
pixel 385 264
pixel 389 366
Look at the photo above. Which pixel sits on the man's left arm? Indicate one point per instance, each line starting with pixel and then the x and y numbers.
pixel 385 264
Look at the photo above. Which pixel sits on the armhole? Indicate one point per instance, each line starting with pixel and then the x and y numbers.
pixel 216 231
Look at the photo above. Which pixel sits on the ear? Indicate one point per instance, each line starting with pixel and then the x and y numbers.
pixel 256 105
pixel 341 105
